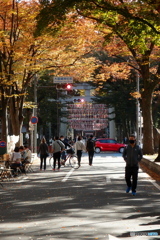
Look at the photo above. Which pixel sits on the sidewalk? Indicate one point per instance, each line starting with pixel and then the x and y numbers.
pixel 148 161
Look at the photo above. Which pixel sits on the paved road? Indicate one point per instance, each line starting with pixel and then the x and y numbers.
pixel 87 203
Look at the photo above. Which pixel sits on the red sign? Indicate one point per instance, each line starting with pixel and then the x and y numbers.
pixel 34 120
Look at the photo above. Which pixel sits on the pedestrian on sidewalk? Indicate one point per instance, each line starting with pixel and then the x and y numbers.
pixel 43 151
pixel 57 148
pixel 90 147
pixel 79 148
pixel 132 155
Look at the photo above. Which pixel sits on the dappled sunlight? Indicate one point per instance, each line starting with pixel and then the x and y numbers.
pixel 45 201
pixel 92 202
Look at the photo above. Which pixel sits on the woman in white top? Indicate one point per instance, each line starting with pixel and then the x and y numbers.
pixel 79 147
pixel 16 159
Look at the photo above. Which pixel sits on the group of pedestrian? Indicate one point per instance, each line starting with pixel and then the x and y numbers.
pixel 132 155
pixel 59 145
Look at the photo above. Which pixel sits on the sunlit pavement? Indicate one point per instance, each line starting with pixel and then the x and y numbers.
pixel 86 203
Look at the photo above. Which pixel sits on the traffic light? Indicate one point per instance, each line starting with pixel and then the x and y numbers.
pixel 65 86
pixel 69 86
pixel 79 100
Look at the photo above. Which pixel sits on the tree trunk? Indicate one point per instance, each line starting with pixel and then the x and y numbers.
pixel 16 117
pixel 4 118
pixel 158 157
pixel 4 123
pixel 146 104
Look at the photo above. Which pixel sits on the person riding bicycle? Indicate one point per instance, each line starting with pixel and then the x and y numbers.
pixel 65 142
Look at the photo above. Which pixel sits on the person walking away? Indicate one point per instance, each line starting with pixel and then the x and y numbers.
pixel 43 151
pixel 57 148
pixel 79 148
pixel 132 155
pixel 90 149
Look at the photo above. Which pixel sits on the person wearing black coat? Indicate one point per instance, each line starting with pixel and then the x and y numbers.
pixel 132 155
pixel 43 151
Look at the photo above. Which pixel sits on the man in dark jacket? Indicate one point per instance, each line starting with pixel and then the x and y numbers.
pixel 90 149
pixel 132 155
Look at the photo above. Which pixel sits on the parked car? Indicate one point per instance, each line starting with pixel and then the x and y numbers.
pixel 108 144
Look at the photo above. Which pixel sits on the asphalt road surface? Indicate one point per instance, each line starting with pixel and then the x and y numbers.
pixel 85 203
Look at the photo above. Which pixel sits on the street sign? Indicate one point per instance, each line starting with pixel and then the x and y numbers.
pixel 63 79
pixel 34 120
pixel 2 144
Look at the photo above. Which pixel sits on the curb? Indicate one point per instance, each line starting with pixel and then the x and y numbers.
pixel 153 166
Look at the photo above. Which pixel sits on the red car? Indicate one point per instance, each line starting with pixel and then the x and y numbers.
pixel 108 144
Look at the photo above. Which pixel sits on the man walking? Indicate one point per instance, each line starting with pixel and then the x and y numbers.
pixel 132 155
pixel 90 149
pixel 79 148
pixel 57 148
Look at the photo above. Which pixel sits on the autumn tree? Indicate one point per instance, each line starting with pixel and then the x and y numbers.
pixel 23 54
pixel 116 95
pixel 132 27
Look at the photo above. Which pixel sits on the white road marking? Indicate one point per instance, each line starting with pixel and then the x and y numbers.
pixel 68 175
pixel 112 237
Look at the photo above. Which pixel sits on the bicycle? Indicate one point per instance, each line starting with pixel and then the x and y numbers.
pixel 71 157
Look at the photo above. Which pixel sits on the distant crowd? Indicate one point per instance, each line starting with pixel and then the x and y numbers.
pixel 58 147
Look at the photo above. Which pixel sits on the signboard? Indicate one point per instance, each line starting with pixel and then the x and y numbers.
pixel 88 116
pixel 63 79
pixel 2 144
pixel 34 120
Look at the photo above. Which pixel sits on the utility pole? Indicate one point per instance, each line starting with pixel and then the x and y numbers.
pixel 137 111
pixel 35 114
pixel 58 122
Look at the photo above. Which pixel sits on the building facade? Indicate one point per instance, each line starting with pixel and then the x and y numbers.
pixel 84 116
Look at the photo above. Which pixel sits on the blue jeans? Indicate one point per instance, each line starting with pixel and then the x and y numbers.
pixel 63 155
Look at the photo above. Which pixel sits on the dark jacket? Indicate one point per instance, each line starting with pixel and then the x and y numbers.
pixel 43 149
pixel 65 143
pixel 90 145
pixel 132 155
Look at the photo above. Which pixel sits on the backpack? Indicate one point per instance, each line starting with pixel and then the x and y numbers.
pixel 90 145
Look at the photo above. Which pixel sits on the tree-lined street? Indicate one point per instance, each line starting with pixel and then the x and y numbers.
pixel 86 203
